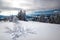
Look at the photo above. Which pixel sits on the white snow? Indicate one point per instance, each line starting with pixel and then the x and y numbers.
pixel 44 31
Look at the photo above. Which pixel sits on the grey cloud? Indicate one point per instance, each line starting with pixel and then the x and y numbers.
pixel 33 4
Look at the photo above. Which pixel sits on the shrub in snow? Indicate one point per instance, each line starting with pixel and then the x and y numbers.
pixel 18 31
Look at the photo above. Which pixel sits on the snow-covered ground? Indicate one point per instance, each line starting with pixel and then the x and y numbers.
pixel 41 31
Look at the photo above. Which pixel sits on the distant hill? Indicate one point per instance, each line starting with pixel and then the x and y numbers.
pixel 2 17
pixel 36 13
pixel 45 12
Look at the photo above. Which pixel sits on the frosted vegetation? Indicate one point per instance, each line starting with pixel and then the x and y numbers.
pixel 18 31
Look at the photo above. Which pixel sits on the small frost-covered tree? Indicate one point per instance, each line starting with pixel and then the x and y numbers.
pixel 18 31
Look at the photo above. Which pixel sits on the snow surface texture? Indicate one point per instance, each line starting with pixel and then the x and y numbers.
pixel 23 30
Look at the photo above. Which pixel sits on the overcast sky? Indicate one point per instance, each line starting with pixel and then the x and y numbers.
pixel 30 4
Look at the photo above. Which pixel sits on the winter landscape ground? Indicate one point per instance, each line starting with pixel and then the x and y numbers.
pixel 38 31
